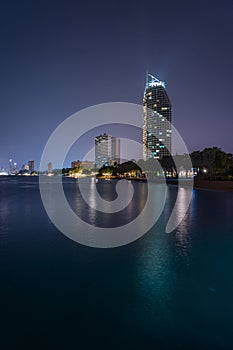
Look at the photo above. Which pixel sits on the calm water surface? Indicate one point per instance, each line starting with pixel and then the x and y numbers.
pixel 164 291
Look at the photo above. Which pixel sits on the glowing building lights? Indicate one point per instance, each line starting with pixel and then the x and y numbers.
pixel 156 110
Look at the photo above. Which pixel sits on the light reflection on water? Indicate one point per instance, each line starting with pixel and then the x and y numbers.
pixel 4 220
pixel 183 239
pixel 107 190
pixel 166 290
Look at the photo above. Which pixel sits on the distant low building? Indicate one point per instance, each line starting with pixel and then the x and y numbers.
pixel 14 170
pixel 3 172
pixel 75 164
pixel 86 164
pixel 25 167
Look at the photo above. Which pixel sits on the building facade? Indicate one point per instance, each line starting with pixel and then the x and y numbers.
pixel 25 167
pixel 75 164
pixel 84 164
pixel 157 117
pixel 107 150
pixel 87 164
pixel 50 167
pixel 31 165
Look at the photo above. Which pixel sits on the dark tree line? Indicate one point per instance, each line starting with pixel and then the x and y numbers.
pixel 216 161
pixel 210 162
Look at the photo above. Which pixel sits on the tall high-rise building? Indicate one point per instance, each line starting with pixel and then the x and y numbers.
pixel 107 150
pixel 31 165
pixel 50 167
pixel 157 116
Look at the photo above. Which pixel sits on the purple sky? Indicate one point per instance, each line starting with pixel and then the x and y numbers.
pixel 58 57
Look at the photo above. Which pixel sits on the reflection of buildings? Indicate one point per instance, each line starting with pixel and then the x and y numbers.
pixel 107 150
pixel 156 119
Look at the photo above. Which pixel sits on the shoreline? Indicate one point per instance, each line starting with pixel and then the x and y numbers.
pixel 202 184
pixel 216 185
pixel 199 183
pixel 205 184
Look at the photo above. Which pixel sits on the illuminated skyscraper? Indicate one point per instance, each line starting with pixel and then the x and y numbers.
pixel 157 117
pixel 107 150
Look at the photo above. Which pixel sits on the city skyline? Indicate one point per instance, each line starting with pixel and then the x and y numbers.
pixel 134 252
pixel 51 71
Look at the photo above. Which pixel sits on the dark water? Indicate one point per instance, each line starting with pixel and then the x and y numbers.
pixel 164 291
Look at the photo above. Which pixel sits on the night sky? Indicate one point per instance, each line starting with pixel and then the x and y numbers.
pixel 58 57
